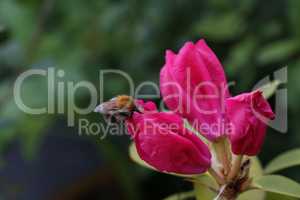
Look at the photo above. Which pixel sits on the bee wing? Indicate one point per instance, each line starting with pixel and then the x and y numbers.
pixel 106 107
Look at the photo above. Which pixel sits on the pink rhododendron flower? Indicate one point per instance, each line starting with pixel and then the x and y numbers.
pixel 146 106
pixel 163 142
pixel 248 112
pixel 193 84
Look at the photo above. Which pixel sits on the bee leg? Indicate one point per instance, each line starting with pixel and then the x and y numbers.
pixel 136 109
pixel 124 115
pixel 110 119
pixel 113 119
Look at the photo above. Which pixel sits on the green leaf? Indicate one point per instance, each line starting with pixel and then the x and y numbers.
pixel 278 51
pixel 13 14
pixel 215 27
pixel 278 184
pixel 274 196
pixel 270 88
pixel 181 196
pixel 256 169
pixel 240 55
pixel 288 159
pixel 294 16
pixel 202 187
pixel 272 30
pixel 252 194
pixel 31 129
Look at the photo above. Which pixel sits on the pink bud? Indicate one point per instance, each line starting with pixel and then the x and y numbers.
pixel 148 106
pixel 163 142
pixel 193 84
pixel 248 114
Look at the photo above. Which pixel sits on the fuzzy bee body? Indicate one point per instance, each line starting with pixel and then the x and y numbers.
pixel 117 109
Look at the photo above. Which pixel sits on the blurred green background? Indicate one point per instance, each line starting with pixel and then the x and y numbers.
pixel 42 158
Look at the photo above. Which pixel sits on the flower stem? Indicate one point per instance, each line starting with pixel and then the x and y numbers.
pixel 219 178
pixel 235 167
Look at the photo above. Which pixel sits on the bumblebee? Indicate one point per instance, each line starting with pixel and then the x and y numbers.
pixel 117 109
